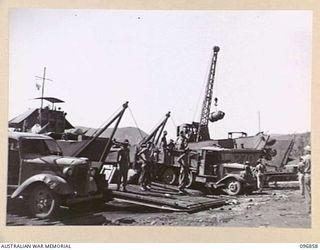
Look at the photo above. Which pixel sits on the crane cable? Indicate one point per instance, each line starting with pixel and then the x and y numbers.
pixel 135 122
pixel 174 124
pixel 203 89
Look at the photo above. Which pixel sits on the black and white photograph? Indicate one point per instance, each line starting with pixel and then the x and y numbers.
pixel 159 118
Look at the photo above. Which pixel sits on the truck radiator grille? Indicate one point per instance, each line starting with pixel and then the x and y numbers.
pixel 80 180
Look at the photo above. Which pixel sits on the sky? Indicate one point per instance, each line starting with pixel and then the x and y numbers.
pixel 159 62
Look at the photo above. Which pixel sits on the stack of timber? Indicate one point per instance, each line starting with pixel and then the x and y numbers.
pixel 167 197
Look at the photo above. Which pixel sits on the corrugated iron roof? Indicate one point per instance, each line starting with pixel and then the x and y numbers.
pixel 22 117
pixel 50 99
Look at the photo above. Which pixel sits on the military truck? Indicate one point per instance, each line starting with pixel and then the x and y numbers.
pixel 46 180
pixel 214 167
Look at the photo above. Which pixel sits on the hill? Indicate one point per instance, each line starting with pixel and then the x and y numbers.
pixel 134 135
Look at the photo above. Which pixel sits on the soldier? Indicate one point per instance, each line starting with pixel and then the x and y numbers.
pixel 164 147
pixel 170 149
pixel 184 171
pixel 307 176
pixel 163 141
pixel 260 170
pixel 301 176
pixel 247 168
pixel 181 141
pixel 123 165
pixel 144 160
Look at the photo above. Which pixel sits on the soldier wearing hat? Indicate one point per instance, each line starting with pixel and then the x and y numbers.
pixel 260 170
pixel 123 165
pixel 144 158
pixel 307 176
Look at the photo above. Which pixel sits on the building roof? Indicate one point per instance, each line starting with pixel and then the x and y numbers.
pixel 18 135
pixel 22 117
pixel 50 99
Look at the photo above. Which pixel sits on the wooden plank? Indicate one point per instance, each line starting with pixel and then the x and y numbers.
pixel 173 200
pixel 152 205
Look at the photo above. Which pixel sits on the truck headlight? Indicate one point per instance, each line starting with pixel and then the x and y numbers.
pixel 92 171
pixel 67 171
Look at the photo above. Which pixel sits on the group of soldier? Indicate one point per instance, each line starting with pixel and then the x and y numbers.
pixel 146 156
pixel 258 171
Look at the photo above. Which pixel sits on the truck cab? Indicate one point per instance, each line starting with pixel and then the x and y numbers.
pixel 41 175
pixel 224 169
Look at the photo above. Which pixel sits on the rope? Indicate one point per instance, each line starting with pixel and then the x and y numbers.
pixel 135 122
pixel 157 124
pixel 174 124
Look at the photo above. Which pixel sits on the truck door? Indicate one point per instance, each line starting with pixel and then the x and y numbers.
pixel 13 162
pixel 209 163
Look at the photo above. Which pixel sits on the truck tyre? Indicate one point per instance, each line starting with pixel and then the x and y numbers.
pixel 43 202
pixel 169 176
pixel 233 187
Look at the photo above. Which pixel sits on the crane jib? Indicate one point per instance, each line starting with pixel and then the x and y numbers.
pixel 203 130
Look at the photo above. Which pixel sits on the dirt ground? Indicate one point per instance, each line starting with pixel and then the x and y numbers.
pixel 277 207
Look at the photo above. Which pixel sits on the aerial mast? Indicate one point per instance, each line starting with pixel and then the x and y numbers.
pixel 42 92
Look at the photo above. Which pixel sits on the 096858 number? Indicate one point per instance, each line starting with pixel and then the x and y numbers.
pixel 308 246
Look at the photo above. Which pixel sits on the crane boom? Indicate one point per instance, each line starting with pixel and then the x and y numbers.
pixel 203 131
pixel 156 133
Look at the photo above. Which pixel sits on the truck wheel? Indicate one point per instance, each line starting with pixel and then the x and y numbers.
pixel 43 202
pixel 169 176
pixel 233 187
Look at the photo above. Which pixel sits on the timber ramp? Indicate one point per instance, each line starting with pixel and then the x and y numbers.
pixel 167 197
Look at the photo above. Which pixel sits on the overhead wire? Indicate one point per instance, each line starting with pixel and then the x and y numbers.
pixel 174 124
pixel 135 122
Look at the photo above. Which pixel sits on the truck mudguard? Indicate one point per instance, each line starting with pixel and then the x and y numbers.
pixel 229 176
pixel 53 182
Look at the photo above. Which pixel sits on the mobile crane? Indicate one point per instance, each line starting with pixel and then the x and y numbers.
pixel 199 131
pixel 211 163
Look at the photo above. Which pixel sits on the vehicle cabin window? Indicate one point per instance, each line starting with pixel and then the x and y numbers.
pixel 234 157
pixel 53 147
pixel 13 162
pixel 240 157
pixel 213 157
pixel 32 147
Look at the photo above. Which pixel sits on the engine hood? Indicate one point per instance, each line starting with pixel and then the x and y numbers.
pixel 234 165
pixel 58 160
